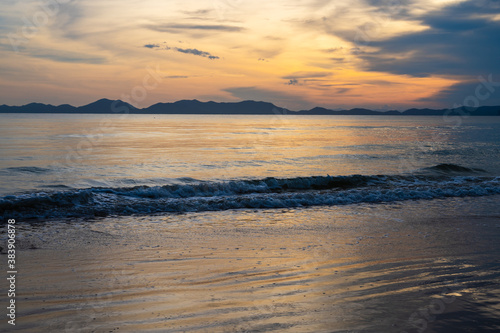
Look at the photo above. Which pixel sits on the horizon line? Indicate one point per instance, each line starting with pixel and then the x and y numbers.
pixel 242 101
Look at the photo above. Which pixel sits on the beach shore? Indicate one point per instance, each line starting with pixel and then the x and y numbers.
pixel 414 266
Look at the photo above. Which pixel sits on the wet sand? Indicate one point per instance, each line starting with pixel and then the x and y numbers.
pixel 423 266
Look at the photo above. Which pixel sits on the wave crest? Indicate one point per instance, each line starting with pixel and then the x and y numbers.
pixel 260 193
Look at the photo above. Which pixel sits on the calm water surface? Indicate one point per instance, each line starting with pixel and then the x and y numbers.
pixel 43 151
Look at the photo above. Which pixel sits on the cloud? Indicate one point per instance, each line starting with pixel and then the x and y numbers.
pixel 198 12
pixel 268 52
pixel 151 46
pixel 462 39
pixel 334 50
pixel 342 90
pixel 67 56
pixel 306 75
pixel 181 50
pixel 176 77
pixel 381 82
pixel 197 52
pixel 456 41
pixel 337 59
pixel 178 28
pixel 274 38
pixel 400 8
pixel 279 98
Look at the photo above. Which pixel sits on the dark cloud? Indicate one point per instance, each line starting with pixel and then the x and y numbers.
pixel 176 77
pixel 455 24
pixel 461 42
pixel 187 51
pixel 293 82
pixel 177 28
pixel 196 52
pixel 458 42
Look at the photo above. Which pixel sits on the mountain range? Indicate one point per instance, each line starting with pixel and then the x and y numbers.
pixel 107 106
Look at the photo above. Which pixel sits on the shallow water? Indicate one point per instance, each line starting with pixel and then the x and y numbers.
pixel 417 266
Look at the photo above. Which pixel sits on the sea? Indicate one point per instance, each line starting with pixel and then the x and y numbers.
pixel 58 166
pixel 254 223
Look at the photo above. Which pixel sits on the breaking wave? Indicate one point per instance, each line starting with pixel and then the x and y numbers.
pixel 441 181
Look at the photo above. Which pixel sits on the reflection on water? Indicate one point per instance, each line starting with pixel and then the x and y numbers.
pixel 42 150
pixel 407 267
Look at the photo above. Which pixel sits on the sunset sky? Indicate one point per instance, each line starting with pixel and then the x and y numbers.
pixel 295 53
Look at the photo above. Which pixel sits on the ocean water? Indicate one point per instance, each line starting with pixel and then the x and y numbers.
pixel 170 223
pixel 57 166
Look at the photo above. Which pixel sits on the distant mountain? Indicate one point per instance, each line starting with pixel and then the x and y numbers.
pixel 107 106
pixel 197 107
pixel 101 106
pixel 37 108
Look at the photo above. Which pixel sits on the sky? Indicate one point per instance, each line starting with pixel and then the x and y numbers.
pixel 297 54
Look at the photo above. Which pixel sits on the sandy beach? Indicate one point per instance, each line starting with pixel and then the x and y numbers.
pixel 415 266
